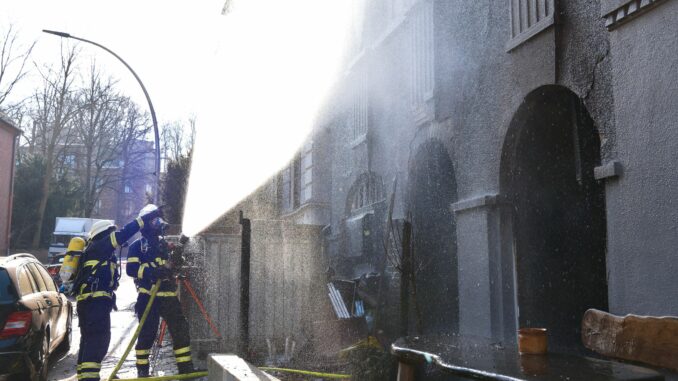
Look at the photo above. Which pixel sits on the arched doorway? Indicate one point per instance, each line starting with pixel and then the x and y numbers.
pixel 558 213
pixel 433 189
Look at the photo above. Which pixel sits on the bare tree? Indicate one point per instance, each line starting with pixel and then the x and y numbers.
pixel 13 59
pixel 173 140
pixel 95 129
pixel 53 110
pixel 134 152
pixel 190 140
pixel 177 138
pixel 111 135
pixel 87 137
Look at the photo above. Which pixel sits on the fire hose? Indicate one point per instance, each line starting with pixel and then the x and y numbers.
pixel 307 372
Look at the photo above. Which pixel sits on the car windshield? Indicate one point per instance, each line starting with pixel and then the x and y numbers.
pixel 7 294
pixel 60 240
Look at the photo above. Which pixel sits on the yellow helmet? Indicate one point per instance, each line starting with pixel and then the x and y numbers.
pixel 76 244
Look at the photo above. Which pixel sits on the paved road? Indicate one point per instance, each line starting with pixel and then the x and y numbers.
pixel 123 324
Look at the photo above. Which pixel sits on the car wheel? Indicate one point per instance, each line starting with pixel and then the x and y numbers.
pixel 42 360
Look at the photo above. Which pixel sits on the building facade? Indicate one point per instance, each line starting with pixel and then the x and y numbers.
pixel 530 146
pixel 8 143
pixel 529 142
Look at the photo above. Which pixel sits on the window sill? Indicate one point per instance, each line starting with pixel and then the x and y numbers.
pixel 534 30
pixel 303 207
pixel 359 140
pixel 423 112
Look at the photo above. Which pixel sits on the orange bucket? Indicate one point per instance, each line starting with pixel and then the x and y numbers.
pixel 532 341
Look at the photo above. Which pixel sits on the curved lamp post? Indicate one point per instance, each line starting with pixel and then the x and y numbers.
pixel 148 99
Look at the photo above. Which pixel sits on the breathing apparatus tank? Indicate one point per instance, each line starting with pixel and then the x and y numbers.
pixel 69 267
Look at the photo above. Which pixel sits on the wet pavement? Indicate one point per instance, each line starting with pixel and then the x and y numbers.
pixel 123 324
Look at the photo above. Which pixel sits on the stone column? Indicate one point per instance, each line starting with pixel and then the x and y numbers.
pixel 486 268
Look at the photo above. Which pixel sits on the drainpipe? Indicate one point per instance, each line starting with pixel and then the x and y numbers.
pixel 246 238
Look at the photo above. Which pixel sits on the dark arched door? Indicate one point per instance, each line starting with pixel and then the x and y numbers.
pixel 433 189
pixel 559 223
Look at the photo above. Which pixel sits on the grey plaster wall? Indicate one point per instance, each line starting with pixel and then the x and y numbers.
pixel 641 204
pixel 283 303
pixel 217 257
pixel 479 100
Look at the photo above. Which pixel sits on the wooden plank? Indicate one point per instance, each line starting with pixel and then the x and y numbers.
pixel 405 371
pixel 647 339
pixel 226 367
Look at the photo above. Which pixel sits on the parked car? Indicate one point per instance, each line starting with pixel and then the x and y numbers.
pixel 35 319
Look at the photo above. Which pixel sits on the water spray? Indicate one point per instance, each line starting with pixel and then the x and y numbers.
pixel 271 74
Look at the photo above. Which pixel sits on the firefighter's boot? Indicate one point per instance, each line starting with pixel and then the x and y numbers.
pixel 143 372
pixel 185 367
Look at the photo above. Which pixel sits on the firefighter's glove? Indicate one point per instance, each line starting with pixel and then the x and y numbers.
pixel 68 288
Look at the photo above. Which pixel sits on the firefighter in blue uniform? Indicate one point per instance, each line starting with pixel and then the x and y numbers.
pixel 94 287
pixel 147 262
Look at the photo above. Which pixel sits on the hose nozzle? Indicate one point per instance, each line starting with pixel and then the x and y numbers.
pixel 183 239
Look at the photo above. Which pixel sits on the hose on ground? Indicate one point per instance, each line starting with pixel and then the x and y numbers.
pixel 154 290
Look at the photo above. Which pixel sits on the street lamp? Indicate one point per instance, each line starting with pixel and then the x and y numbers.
pixel 148 99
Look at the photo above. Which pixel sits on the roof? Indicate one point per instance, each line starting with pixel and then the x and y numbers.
pixel 75 226
pixel 68 226
pixel 5 122
pixel 5 261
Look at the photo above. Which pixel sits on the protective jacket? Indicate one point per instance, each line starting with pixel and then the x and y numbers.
pixel 144 257
pixel 99 275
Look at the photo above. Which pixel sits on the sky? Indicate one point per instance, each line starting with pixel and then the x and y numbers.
pixel 254 78
pixel 168 43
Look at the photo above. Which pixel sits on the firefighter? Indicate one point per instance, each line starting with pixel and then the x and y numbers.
pixel 94 288
pixel 147 262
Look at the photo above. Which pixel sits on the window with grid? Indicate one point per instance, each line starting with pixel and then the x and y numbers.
pixel 528 18
pixel 296 180
pixel 422 55
pixel 286 189
pixel 306 167
pixel 359 107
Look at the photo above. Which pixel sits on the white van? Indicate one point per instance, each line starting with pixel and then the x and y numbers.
pixel 66 228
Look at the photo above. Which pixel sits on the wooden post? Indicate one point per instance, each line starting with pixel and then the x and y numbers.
pixel 405 371
pixel 245 285
pixel 405 277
